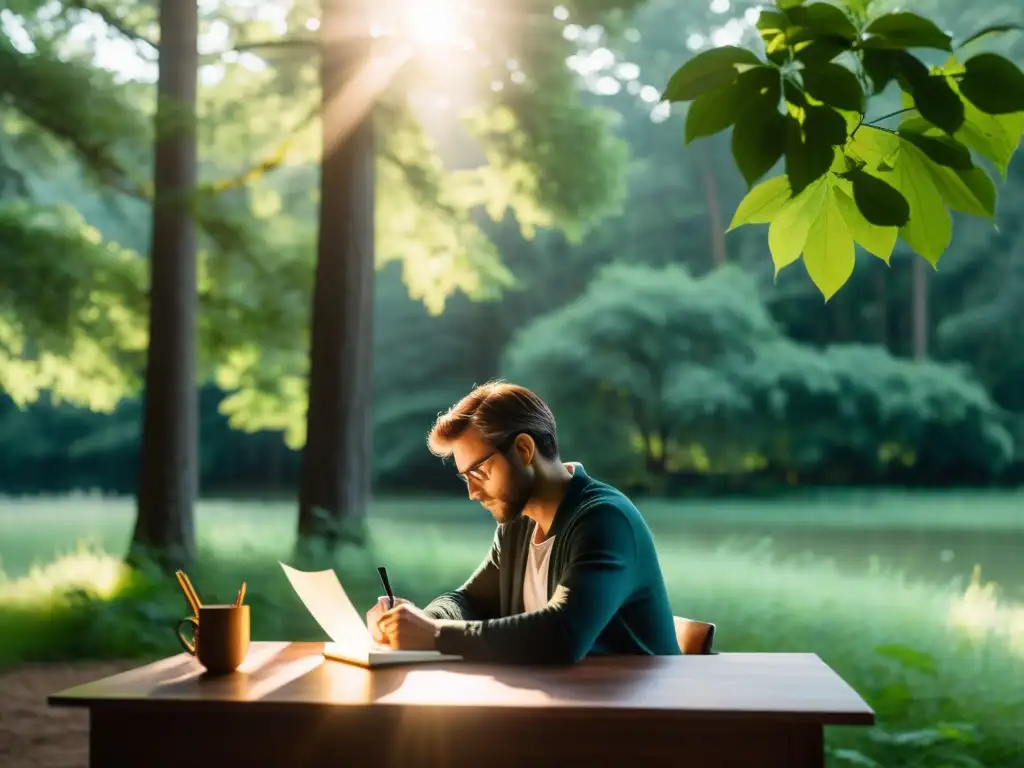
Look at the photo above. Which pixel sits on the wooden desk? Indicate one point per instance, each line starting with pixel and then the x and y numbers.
pixel 290 708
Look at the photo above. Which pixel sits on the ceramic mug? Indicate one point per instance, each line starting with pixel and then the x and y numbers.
pixel 220 637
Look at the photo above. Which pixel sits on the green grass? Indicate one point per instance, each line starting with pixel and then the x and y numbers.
pixel 946 680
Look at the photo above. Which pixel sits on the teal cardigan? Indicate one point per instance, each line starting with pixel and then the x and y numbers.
pixel 604 573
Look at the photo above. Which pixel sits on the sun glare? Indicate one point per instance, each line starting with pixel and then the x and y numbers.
pixel 434 23
pixel 433 26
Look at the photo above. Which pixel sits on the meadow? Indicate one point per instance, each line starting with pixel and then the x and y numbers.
pixel 915 599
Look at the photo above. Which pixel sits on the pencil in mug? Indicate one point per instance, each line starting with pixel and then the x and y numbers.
pixel 241 595
pixel 190 592
pixel 188 595
pixel 188 582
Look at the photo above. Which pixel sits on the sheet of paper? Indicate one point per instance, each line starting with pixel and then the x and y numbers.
pixel 326 601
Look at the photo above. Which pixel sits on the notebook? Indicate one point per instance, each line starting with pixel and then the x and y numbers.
pixel 351 641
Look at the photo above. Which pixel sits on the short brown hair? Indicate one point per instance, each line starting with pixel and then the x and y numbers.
pixel 500 411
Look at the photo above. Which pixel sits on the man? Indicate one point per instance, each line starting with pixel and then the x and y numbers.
pixel 572 569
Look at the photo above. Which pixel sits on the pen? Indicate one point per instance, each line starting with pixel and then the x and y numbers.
pixel 383 573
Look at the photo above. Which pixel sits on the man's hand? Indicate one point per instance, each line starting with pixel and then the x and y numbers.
pixel 373 615
pixel 406 628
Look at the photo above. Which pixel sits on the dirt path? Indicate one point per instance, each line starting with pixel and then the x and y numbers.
pixel 33 735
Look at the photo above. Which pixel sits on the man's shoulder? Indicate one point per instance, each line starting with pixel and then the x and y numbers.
pixel 606 507
pixel 599 495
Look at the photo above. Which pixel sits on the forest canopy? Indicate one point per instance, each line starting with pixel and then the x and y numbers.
pixel 501 198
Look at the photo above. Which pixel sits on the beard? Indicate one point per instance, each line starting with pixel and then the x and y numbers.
pixel 508 506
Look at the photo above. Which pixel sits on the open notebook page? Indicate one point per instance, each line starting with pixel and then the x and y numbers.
pixel 326 601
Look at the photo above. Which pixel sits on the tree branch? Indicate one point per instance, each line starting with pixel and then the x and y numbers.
pixel 96 158
pixel 891 114
pixel 271 162
pixel 310 43
pixel 113 22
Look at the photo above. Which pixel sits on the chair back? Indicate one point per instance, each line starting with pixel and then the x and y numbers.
pixel 694 637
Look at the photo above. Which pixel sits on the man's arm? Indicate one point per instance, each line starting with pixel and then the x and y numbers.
pixel 599 577
pixel 476 600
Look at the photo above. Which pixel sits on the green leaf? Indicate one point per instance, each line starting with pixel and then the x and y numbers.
pixel 772 26
pixel 881 67
pixel 858 7
pixel 993 84
pixel 777 49
pixel 789 229
pixel 834 84
pixel 994 29
pixel 758 88
pixel 824 19
pixel 935 100
pixel 993 136
pixel 878 241
pixel 771 23
pixel 787 5
pixel 820 50
pixel 758 141
pixel 852 119
pixel 930 227
pixel 879 202
pixel 825 124
pixel 793 92
pixel 874 146
pixel 919 125
pixel 808 157
pixel 710 113
pixel 896 31
pixel 829 254
pixel 707 71
pixel 942 149
pixel 970 191
pixel 762 203
pixel 982 189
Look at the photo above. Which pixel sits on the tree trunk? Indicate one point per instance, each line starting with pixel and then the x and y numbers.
pixel 336 460
pixel 919 308
pixel 714 210
pixel 168 477
pixel 882 299
pixel 842 329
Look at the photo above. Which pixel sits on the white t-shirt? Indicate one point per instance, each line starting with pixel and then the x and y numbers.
pixel 535 580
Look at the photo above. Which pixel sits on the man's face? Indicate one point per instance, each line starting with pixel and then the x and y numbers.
pixel 500 480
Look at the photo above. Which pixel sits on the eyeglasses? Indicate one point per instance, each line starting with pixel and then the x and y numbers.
pixel 474 469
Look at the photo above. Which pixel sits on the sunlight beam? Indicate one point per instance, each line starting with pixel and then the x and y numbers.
pixel 356 99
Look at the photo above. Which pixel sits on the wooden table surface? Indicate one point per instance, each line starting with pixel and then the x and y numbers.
pixel 791 686
pixel 791 692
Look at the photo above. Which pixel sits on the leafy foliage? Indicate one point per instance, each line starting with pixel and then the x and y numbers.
pixel 512 152
pixel 691 375
pixel 259 150
pixel 806 106
pixel 85 341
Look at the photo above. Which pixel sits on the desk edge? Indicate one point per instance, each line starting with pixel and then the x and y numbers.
pixel 862 717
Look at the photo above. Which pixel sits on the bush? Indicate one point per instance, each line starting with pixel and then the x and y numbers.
pixel 691 377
